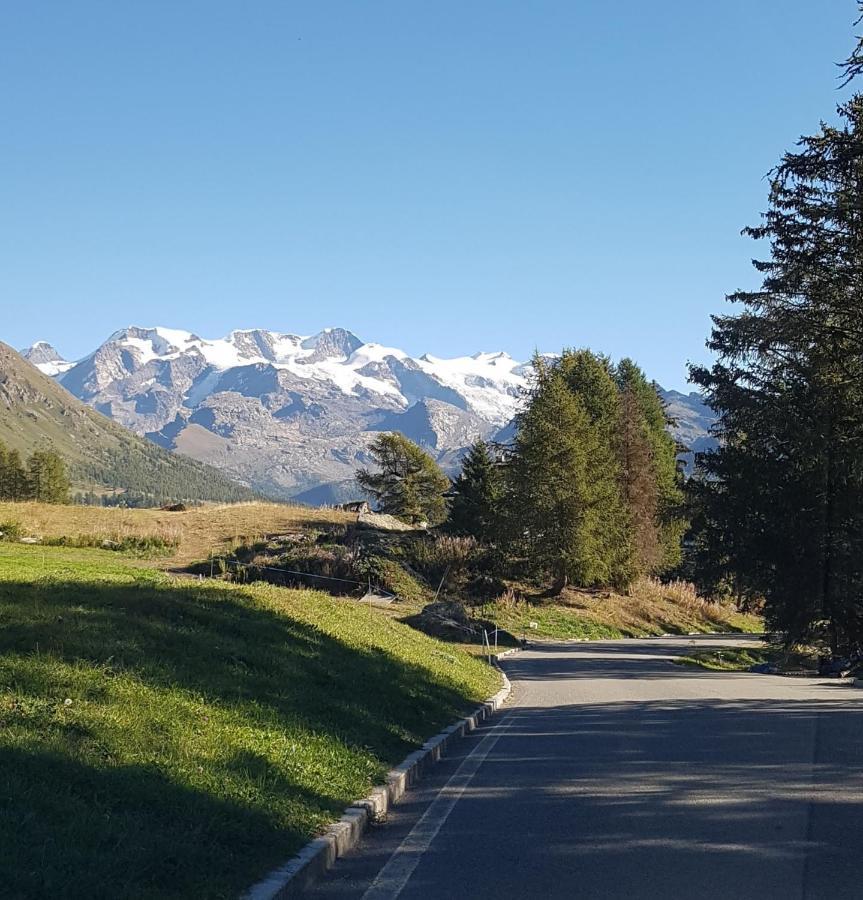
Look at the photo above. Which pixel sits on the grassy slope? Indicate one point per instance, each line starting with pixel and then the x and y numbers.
pixel 170 738
pixel 36 412
pixel 196 532
pixel 740 659
pixel 729 659
pixel 651 608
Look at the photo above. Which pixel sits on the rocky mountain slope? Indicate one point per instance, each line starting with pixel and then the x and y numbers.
pixel 693 420
pixel 291 415
pixel 36 413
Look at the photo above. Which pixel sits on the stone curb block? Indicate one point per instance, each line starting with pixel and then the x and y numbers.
pixel 319 855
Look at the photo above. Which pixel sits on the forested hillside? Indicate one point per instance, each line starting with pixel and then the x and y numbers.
pixel 36 413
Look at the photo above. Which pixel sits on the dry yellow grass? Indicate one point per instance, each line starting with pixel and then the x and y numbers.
pixel 651 607
pixel 197 532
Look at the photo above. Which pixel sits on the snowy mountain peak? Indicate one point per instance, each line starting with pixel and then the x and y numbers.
pixel 293 414
pixel 46 358
pixel 154 342
pixel 41 352
pixel 331 343
pixel 487 384
pixel 254 344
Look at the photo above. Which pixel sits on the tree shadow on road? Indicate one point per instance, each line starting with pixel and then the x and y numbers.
pixel 705 798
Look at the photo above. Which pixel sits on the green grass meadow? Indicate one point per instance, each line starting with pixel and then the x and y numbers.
pixel 727 659
pixel 740 659
pixel 167 738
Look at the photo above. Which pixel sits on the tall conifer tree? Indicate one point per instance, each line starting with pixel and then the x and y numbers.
pixel 548 480
pixel 476 505
pixel 640 489
pixel 46 478
pixel 591 379
pixel 13 476
pixel 564 500
pixel 4 472
pixel 781 501
pixel 664 470
pixel 406 482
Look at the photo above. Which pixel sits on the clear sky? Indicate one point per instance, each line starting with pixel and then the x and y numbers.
pixel 444 177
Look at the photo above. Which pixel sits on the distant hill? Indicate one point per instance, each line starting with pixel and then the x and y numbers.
pixel 693 421
pixel 36 412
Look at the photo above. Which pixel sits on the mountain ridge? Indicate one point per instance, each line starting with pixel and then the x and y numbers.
pixel 37 413
pixel 291 414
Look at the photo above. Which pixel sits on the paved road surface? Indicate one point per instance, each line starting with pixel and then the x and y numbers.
pixel 613 773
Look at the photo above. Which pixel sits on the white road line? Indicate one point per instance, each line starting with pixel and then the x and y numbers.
pixel 393 877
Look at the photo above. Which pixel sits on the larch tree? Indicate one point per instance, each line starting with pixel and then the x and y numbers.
pixel 645 403
pixel 590 378
pixel 548 473
pixel 638 478
pixel 43 478
pixel 564 496
pixel 13 475
pixel 405 482
pixel 46 478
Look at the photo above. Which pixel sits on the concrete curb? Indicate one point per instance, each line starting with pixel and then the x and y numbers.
pixel 313 861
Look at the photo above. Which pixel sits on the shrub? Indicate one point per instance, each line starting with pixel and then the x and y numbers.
pixel 392 577
pixel 435 556
pixel 134 545
pixel 325 560
pixel 486 586
pixel 10 531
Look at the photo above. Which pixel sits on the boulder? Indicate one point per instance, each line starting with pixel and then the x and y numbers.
pixel 450 620
pixel 383 522
pixel 447 620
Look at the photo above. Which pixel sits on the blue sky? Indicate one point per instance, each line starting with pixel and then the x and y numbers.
pixel 443 177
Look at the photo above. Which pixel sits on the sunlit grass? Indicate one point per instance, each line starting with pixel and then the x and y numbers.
pixel 651 608
pixel 165 738
pixel 741 659
pixel 727 659
pixel 191 535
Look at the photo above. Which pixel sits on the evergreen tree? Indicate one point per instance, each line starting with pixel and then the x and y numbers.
pixel 46 478
pixel 478 491
pixel 780 504
pixel 4 476
pixel 853 66
pixel 640 488
pixel 13 476
pixel 645 403
pixel 548 498
pixel 407 482
pixel 17 476
pixel 591 379
pixel 563 497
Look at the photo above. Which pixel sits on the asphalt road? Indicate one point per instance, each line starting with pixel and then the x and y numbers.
pixel 613 773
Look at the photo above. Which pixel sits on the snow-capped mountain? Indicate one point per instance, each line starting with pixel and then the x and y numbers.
pixel 46 358
pixel 487 383
pixel 288 414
